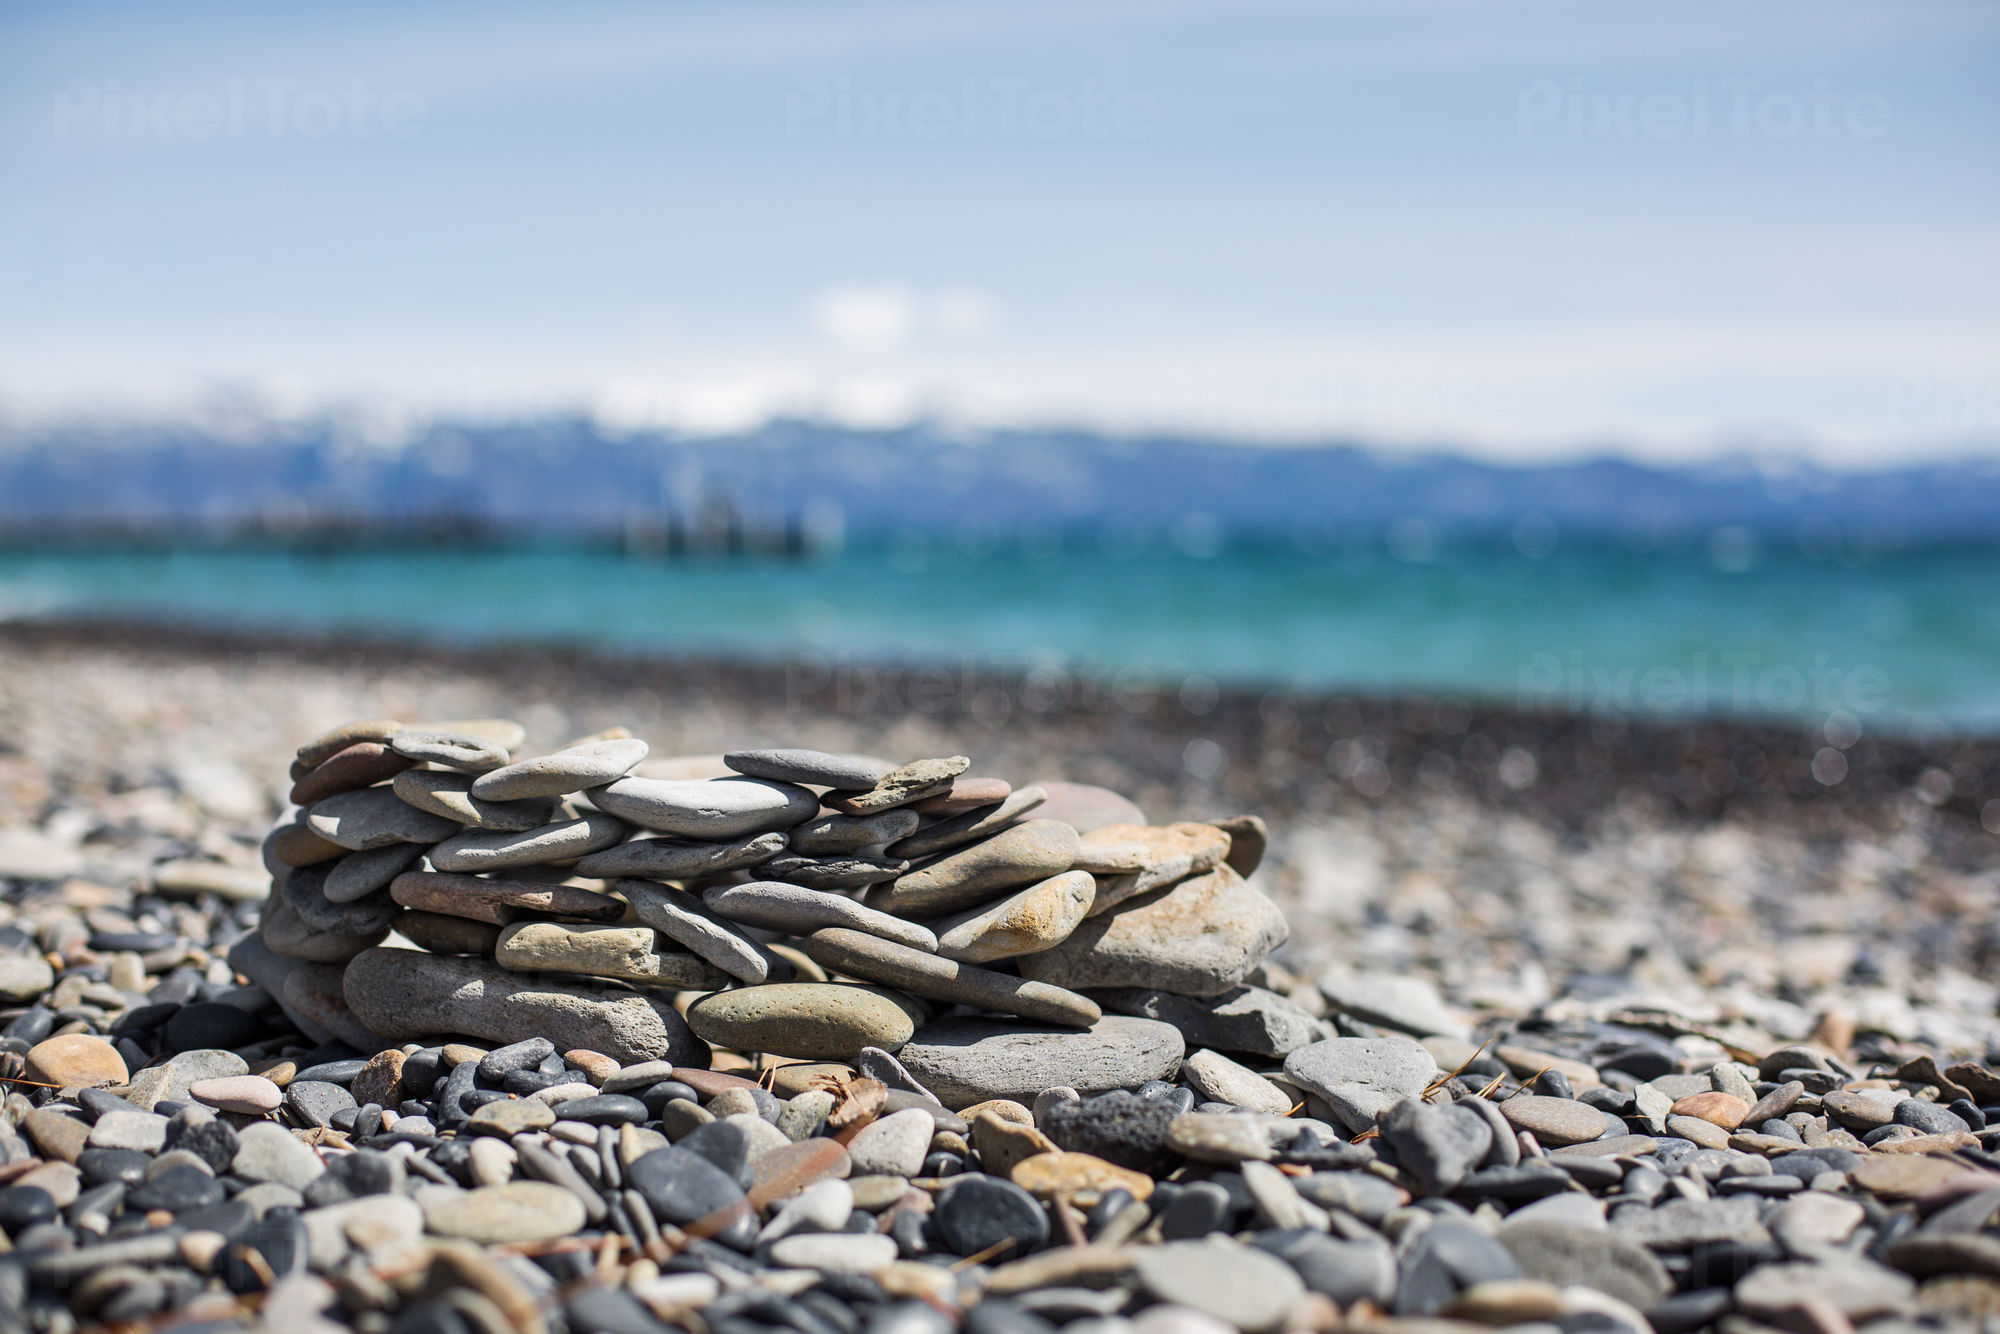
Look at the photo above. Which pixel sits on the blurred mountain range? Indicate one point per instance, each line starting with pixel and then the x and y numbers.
pixel 801 484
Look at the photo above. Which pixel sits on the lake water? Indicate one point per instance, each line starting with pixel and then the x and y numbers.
pixel 1902 640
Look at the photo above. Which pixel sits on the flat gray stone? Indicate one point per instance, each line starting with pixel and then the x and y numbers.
pixel 1219 1079
pixel 680 858
pixel 304 891
pixel 1359 1078
pixel 1586 1257
pixel 1200 938
pixel 711 809
pixel 1085 807
pixel 686 920
pixel 1438 1146
pixel 129 1130
pixel 800 911
pixel 475 850
pixel 874 959
pixel 817 768
pixel 514 1214
pixel 374 817
pixel 405 995
pixel 1390 1000
pixel 1558 1122
pixel 1245 1019
pixel 971 876
pixel 1239 1285
pixel 1681 1225
pixel 833 873
pixel 972 826
pixel 835 835
pixel 967 1060
pixel 449 795
pixel 359 874
pixel 1858 1288
pixel 24 977
pixel 266 1151
pixel 453 750
pixel 577 769
pixel 835 1252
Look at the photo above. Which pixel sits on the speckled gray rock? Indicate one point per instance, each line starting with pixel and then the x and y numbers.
pixel 577 769
pixel 835 835
pixel 624 953
pixel 359 874
pixel 449 795
pixel 1130 860
pixel 971 876
pixel 686 920
pixel 972 825
pixel 1360 1077
pixel 900 787
pixel 812 1021
pixel 405 995
pixel 1200 938
pixel 476 850
pixel 374 817
pixel 967 1060
pixel 800 911
pixel 680 858
pixel 712 809
pixel 858 954
pixel 453 750
pixel 815 767
pixel 1037 918
pixel 1246 1019
pixel 1219 1079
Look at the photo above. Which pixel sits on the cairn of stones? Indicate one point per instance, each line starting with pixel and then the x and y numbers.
pixel 994 940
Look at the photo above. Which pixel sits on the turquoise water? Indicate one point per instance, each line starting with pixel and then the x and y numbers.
pixel 1904 639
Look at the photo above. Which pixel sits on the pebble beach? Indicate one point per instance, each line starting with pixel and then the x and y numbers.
pixel 1111 1009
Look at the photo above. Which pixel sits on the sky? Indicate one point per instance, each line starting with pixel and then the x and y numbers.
pixel 1521 230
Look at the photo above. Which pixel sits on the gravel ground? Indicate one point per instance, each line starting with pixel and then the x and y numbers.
pixel 1594 1024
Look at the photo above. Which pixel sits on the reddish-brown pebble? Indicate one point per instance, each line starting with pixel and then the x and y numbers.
pixel 787 1171
pixel 380 1081
pixel 708 1083
pixel 1721 1109
pixel 595 1065
pixel 363 764
pixel 76 1060
pixel 967 794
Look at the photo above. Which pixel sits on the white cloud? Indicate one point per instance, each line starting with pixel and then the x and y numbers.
pixel 866 319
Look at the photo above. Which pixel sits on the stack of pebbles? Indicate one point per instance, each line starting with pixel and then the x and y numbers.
pixel 787 904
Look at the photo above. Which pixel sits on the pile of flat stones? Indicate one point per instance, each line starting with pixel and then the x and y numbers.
pixel 798 905
pixel 789 1041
